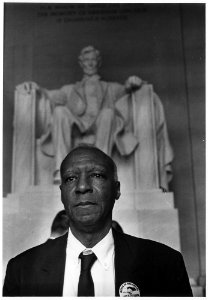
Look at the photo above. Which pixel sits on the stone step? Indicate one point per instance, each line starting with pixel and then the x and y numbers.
pixel 134 199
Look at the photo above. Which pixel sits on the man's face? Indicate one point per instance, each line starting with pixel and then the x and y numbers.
pixel 89 63
pixel 88 188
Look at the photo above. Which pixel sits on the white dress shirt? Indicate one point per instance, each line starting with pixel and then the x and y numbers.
pixel 103 271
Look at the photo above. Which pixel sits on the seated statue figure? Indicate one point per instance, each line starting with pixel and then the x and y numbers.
pixel 92 111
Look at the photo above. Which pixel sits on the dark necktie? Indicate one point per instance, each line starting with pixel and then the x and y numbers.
pixel 86 285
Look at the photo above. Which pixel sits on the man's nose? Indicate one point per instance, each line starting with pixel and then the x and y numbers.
pixel 83 185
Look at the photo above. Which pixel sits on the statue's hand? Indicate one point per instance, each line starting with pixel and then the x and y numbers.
pixel 133 83
pixel 27 87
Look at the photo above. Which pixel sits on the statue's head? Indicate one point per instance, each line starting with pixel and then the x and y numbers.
pixel 89 60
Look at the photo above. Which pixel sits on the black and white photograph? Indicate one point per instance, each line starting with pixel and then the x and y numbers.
pixel 103 149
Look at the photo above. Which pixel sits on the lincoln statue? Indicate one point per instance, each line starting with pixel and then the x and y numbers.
pixel 93 111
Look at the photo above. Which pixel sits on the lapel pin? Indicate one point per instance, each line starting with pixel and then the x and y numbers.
pixel 129 289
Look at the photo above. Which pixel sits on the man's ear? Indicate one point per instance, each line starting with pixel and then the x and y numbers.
pixel 117 190
pixel 60 186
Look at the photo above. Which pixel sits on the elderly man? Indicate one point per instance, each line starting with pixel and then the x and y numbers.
pixel 93 259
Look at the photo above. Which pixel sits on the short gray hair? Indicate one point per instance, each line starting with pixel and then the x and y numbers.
pixel 91 146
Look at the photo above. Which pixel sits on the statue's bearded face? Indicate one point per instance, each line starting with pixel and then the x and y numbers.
pixel 89 63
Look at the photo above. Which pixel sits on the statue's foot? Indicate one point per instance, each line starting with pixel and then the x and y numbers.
pixel 57 177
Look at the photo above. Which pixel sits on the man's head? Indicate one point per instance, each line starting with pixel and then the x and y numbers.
pixel 89 188
pixel 90 60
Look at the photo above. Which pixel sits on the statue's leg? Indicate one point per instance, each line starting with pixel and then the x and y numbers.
pixel 63 121
pixel 104 130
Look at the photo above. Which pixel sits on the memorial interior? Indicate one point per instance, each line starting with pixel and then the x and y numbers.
pixel 126 78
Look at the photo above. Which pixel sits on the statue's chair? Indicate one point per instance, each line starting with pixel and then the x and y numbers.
pixel 30 167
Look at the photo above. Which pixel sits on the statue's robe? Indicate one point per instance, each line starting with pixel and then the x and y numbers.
pixel 111 98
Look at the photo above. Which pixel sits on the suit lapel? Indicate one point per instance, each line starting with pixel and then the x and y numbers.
pixel 104 89
pixel 79 89
pixel 128 263
pixel 52 268
pixel 101 92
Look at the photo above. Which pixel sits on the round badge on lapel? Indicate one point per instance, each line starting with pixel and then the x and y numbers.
pixel 129 289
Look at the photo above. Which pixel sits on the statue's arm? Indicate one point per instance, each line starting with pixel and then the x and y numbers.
pixel 55 97
pixel 59 96
pixel 133 83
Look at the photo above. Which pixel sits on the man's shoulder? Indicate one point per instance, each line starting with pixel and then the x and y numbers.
pixel 39 251
pixel 67 88
pixel 111 85
pixel 149 246
pixel 31 252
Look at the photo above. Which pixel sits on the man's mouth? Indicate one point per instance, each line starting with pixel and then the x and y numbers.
pixel 85 203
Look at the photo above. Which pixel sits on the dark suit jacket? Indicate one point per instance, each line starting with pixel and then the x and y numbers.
pixel 156 269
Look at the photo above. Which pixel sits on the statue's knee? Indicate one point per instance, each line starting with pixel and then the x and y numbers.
pixel 107 115
pixel 58 110
pixel 63 116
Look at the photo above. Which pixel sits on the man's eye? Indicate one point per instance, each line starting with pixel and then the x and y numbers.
pixel 70 179
pixel 97 175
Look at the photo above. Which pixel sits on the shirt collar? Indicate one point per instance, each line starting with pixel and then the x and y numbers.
pixel 92 78
pixel 104 250
pixel 74 246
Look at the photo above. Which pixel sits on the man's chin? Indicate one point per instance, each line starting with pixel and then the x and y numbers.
pixel 87 223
